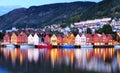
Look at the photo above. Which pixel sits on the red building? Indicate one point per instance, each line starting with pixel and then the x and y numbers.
pixel 59 40
pixel 96 39
pixel 110 39
pixel 6 38
pixel 47 40
pixel 22 38
pixel 104 39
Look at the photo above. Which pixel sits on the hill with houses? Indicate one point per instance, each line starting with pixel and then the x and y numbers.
pixel 103 9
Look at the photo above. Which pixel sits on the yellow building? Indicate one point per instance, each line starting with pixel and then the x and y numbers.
pixel 53 40
pixel 14 38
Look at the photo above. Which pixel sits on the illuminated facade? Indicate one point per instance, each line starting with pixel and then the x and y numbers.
pixel 77 40
pixel 14 38
pixel 53 40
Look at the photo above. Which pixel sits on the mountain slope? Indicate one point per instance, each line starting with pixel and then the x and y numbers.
pixel 37 16
pixel 105 8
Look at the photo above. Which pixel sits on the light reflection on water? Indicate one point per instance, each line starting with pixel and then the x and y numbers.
pixel 98 60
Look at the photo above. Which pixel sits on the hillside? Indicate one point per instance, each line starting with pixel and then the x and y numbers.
pixel 105 8
pixel 37 16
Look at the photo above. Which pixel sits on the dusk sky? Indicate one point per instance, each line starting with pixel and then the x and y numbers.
pixel 28 3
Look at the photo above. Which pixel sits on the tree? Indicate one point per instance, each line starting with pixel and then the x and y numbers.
pixel 100 31
pixel 107 29
pixel 2 34
pixel 64 25
pixel 89 31
pixel 75 31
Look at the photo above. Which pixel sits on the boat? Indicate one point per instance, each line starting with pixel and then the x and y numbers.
pixel 44 46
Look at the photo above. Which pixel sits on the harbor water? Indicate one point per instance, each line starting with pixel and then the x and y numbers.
pixel 58 60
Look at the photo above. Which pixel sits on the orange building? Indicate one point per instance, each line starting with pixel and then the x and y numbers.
pixel 71 39
pixel 14 38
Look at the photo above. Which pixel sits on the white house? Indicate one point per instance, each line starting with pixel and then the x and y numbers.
pixel 77 39
pixel 83 39
pixel 37 39
pixel 30 39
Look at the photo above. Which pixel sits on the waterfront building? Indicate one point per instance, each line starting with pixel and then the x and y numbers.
pixel 104 39
pixel 30 39
pixel 89 39
pixel 77 40
pixel 65 40
pixel 53 40
pixel 71 39
pixel 14 38
pixel 47 39
pixel 59 40
pixel 6 38
pixel 37 39
pixel 22 38
pixel 96 39
pixel 83 39
pixel 110 39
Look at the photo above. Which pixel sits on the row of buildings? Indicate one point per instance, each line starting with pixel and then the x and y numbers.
pixel 37 38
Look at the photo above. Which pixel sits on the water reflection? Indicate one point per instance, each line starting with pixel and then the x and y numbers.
pixel 98 60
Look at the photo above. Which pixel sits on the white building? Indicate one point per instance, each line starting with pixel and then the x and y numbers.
pixel 37 39
pixel 30 39
pixel 77 40
pixel 83 39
